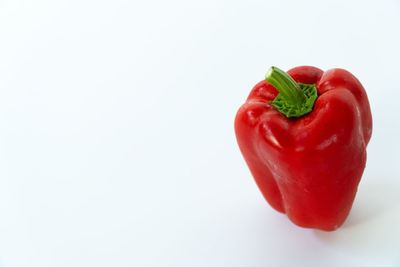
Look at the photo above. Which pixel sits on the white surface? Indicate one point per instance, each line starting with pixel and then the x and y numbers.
pixel 116 131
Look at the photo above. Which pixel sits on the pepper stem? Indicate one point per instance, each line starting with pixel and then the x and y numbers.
pixel 287 87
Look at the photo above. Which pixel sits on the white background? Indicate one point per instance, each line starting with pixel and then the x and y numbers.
pixel 116 131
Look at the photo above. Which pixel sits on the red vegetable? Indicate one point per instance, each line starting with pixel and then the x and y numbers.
pixel 307 157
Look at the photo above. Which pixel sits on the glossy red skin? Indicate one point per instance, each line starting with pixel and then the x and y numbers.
pixel 309 167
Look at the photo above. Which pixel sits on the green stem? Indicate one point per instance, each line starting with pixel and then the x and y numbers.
pixel 287 87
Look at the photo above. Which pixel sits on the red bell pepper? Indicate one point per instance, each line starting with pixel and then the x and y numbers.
pixel 303 135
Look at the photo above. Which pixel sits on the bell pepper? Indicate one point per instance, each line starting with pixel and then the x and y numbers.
pixel 303 135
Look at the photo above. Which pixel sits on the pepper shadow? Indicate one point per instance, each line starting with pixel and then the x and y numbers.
pixel 372 225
